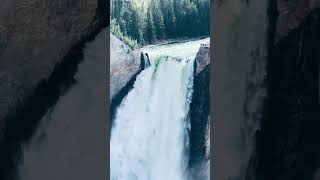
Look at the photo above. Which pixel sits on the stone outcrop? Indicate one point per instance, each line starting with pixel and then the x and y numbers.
pixel 35 37
pixel 124 64
pixel 199 114
pixel 202 58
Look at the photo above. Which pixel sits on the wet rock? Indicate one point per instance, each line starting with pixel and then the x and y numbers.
pixel 202 58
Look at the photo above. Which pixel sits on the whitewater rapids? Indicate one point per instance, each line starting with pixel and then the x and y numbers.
pixel 149 139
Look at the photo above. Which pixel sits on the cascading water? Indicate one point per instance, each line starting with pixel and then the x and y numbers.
pixel 149 140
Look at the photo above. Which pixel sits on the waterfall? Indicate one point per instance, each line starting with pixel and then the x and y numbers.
pixel 149 140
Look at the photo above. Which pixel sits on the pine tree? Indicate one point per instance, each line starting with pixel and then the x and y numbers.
pixel 158 23
pixel 150 29
pixel 161 19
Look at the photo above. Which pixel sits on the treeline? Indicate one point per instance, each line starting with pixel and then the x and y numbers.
pixel 148 20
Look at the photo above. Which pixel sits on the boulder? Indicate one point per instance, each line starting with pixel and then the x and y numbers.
pixel 124 65
pixel 202 58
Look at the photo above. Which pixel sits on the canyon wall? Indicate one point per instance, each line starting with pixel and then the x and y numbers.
pixel 200 115
pixel 266 90
pixel 35 38
pixel 41 44
pixel 288 146
pixel 239 52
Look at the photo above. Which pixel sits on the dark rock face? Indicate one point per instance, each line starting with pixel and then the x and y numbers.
pixel 284 125
pixel 292 14
pixel 288 145
pixel 35 36
pixel 199 112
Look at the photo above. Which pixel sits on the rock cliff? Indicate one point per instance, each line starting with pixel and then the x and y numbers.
pixel 239 69
pixel 288 146
pixel 199 114
pixel 35 38
pixel 124 64
pixel 41 44
pixel 266 90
